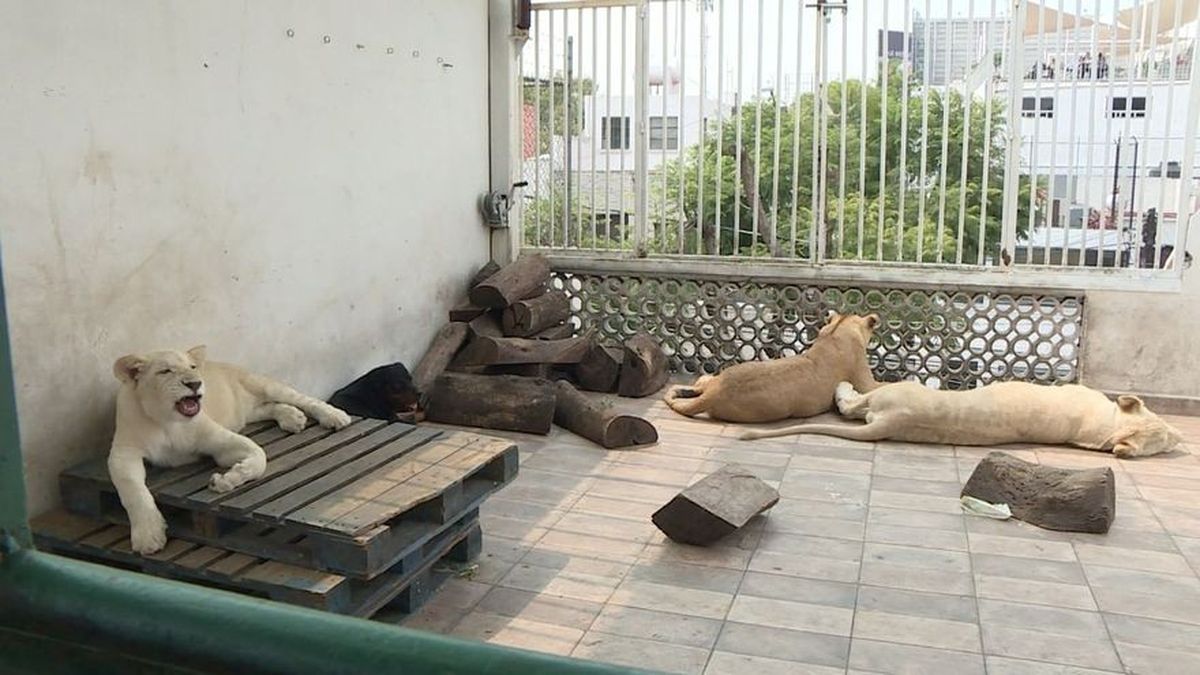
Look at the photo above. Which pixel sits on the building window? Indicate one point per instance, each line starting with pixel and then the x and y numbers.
pixel 1030 106
pixel 1127 106
pixel 664 136
pixel 615 133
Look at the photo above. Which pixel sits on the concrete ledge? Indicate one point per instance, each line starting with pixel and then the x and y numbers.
pixel 1165 405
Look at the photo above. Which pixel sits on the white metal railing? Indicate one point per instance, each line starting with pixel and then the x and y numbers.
pixel 960 134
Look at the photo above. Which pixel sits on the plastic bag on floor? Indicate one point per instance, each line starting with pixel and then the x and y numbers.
pixel 978 507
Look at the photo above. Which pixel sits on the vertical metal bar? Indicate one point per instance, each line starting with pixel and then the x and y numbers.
pixel 737 144
pixel 591 144
pixel 682 44
pixel 816 230
pixel 906 32
pixel 841 236
pixel 574 118
pixel 884 67
pixel 796 131
pixel 1110 75
pixel 862 140
pixel 943 168
pixel 566 215
pixel 640 156
pixel 553 214
pixel 1172 73
pixel 662 127
pixel 1134 47
pixel 1055 141
pixel 754 208
pixel 1089 147
pixel 608 92
pixel 968 100
pixel 700 155
pixel 537 128
pixel 1037 127
pixel 720 123
pixel 989 89
pixel 924 176
pixel 1012 150
pixel 1187 186
pixel 778 128
pixel 623 123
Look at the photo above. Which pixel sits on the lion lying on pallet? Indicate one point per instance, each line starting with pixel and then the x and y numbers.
pixel 160 420
pixel 796 386
pixel 1004 412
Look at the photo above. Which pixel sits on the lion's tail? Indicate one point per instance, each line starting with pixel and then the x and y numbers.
pixel 873 431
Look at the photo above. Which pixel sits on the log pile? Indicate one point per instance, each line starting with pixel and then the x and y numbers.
pixel 495 363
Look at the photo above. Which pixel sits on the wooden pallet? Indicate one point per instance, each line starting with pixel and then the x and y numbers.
pixel 406 585
pixel 351 502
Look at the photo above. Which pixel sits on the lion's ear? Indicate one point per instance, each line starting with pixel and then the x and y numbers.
pixel 128 367
pixel 1129 403
pixel 198 354
pixel 872 320
pixel 831 316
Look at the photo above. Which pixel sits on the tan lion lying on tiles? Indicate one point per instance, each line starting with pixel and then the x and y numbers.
pixel 796 386
pixel 1004 412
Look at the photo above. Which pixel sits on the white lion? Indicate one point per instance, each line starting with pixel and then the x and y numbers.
pixel 1003 412
pixel 161 420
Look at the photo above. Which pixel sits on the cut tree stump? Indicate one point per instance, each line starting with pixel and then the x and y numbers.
pixel 492 402
pixel 500 351
pixel 559 332
pixel 466 312
pixel 524 318
pixel 542 370
pixel 1083 500
pixel 598 422
pixel 485 325
pixel 483 274
pixel 644 368
pixel 714 507
pixel 600 368
pixel 446 343
pixel 524 278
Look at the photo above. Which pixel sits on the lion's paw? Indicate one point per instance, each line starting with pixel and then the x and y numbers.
pixel 149 536
pixel 333 418
pixel 223 482
pixel 291 419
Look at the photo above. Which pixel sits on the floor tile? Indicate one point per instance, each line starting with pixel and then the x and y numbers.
pixel 1049 620
pixel 1037 645
pixel 917 578
pixel 904 500
pixel 889 657
pixel 1153 633
pixel 1148 605
pixel 952 540
pixel 1018 547
pixel 1003 665
pixel 812 591
pixel 1149 561
pixel 726 663
pixel 560 582
pixel 781 643
pixel 514 632
pixel 1027 568
pixel 1158 661
pixel 915 603
pixel 667 598
pixel 692 631
pixel 813 567
pixel 912 556
pixel 700 577
pixel 1073 596
pixel 791 615
pixel 638 653
pixel 541 607
pixel 916 630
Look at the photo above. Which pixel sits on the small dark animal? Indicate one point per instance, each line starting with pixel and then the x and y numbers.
pixel 385 393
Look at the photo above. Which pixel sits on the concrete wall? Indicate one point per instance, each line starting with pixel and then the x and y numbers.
pixel 222 172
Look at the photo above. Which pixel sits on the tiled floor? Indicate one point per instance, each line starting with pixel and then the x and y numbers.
pixel 865 565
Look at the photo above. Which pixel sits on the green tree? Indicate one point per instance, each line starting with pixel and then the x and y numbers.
pixel 788 217
pixel 549 96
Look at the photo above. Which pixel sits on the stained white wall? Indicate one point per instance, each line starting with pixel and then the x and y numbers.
pixel 178 172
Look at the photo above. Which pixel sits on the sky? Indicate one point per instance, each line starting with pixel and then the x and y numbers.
pixel 680 28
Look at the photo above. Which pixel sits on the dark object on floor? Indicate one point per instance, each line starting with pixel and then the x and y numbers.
pixel 353 502
pixel 598 422
pixel 644 368
pixel 715 506
pixel 449 339
pixel 506 402
pixel 1083 500
pixel 498 351
pixel 525 318
pixel 600 368
pixel 404 587
pixel 385 393
pixel 524 278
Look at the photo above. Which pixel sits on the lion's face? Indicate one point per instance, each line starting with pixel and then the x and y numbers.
pixel 1141 432
pixel 167 383
pixel 862 327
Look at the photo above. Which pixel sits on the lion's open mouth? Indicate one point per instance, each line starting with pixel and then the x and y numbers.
pixel 188 406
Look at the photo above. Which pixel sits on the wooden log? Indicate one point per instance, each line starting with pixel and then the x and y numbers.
pixel 598 422
pixel 600 368
pixel 1083 500
pixel 644 367
pixel 485 325
pixel 714 507
pixel 524 318
pixel 482 275
pixel 559 332
pixel 446 343
pixel 499 351
pixel 466 312
pixel 503 402
pixel 542 370
pixel 524 278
